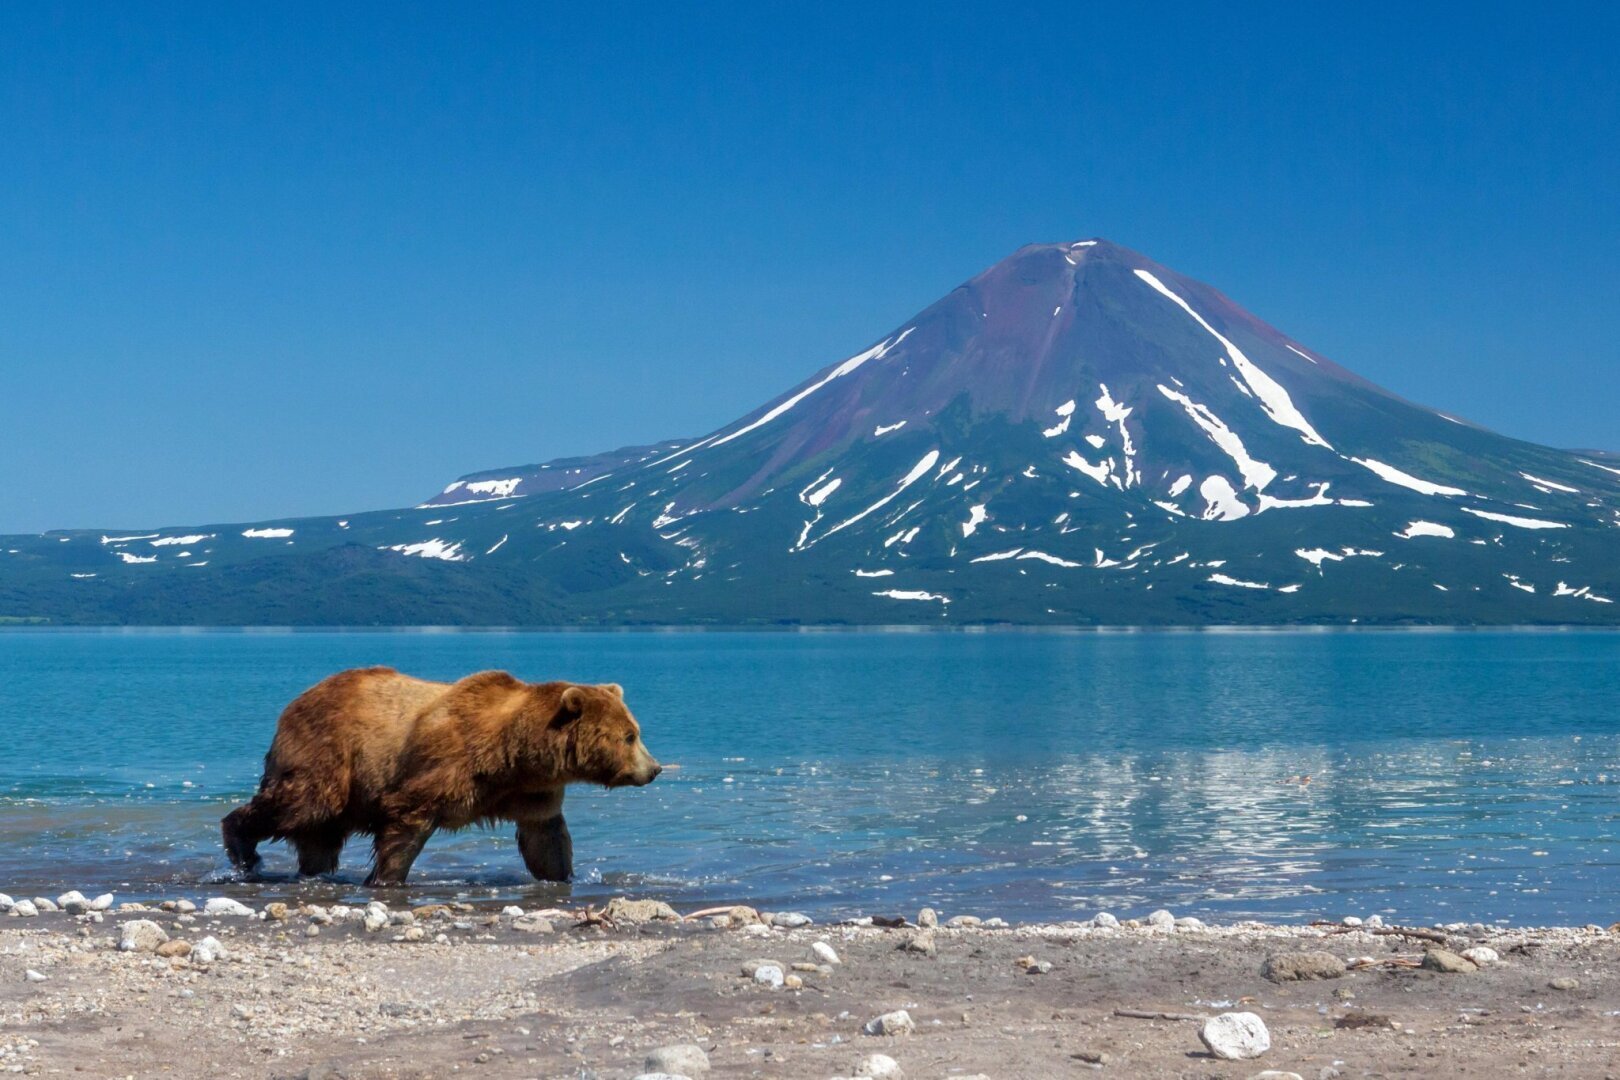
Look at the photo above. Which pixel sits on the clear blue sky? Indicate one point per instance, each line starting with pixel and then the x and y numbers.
pixel 260 261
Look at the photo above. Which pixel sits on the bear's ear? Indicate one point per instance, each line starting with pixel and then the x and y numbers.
pixel 569 706
pixel 615 689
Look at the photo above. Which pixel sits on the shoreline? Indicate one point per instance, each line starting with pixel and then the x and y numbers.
pixel 386 990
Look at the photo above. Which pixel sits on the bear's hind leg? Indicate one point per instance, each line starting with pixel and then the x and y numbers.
pixel 243 828
pixel 319 849
pixel 397 846
pixel 547 848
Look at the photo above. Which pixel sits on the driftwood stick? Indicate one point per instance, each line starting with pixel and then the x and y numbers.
pixel 1386 931
pixel 1148 1014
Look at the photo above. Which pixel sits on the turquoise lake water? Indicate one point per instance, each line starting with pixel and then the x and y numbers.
pixel 1453 775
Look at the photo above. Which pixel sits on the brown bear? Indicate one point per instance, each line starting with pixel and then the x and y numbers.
pixel 376 752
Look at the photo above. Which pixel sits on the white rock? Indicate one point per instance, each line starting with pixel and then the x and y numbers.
pixel 224 905
pixel 1277 1074
pixel 681 1059
pixel 207 951
pixel 42 903
pixel 141 935
pixel 769 975
pixel 898 1022
pixel 6 902
pixel 1483 955
pixel 995 924
pixel 374 920
pixel 824 953
pixel 1162 919
pixel 1374 921
pixel 73 902
pixel 1235 1036
pixel 963 922
pixel 511 911
pixel 661 1076
pixel 24 909
pixel 1351 920
pixel 1187 922
pixel 105 901
pixel 880 1067
pixel 790 920
pixel 927 918
pixel 1106 921
pixel 34 976
pixel 184 907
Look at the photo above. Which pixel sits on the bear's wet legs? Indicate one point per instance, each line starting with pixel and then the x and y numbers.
pixel 548 850
pixel 397 846
pixel 243 828
pixel 319 849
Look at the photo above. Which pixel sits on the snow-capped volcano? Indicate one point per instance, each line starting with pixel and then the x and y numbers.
pixel 1078 435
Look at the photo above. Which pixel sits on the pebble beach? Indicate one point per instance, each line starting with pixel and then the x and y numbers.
pixel 210 986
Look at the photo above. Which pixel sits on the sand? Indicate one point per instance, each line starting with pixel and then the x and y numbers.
pixel 450 991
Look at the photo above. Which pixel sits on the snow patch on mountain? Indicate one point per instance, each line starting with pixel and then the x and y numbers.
pixel 1427 528
pixel 876 352
pixel 1406 479
pixel 1509 519
pixel 1273 398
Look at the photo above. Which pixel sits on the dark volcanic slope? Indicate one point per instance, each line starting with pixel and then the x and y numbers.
pixel 1076 436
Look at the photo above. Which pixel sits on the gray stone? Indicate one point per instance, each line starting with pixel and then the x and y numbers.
pixel 224 905
pixel 1482 955
pixel 1564 982
pixel 141 935
pixel 1235 1036
pixel 105 901
pixel 207 951
pixel 824 953
pixel 661 1076
pixel 1187 922
pixel 963 922
pixel 1374 922
pixel 1447 962
pixel 639 911
pixel 922 942
pixel 684 1059
pixel 533 924
pixel 769 975
pixel 1106 921
pixel 6 902
pixel 898 1022
pixel 73 902
pixel 927 918
pixel 880 1067
pixel 790 920
pixel 1302 967
pixel 24 909
pixel 1162 919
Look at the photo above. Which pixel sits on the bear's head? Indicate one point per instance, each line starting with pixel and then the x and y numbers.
pixel 604 740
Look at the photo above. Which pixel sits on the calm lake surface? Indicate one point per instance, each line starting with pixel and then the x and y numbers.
pixel 1453 775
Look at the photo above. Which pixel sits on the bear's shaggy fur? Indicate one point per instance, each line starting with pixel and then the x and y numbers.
pixel 373 751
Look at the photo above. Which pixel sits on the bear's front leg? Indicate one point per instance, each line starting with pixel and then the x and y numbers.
pixel 548 850
pixel 397 846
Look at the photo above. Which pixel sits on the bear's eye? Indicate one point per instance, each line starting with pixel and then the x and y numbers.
pixel 630 739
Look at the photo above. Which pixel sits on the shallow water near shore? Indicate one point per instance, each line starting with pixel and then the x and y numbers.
pixel 1452 776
